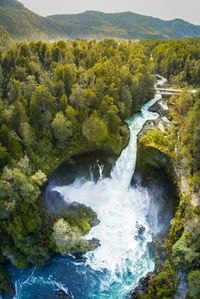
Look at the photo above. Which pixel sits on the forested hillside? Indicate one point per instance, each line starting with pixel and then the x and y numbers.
pixel 177 257
pixel 22 23
pixel 126 25
pixel 179 61
pixel 5 38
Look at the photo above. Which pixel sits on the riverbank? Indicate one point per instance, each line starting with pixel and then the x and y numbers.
pixel 61 98
pixel 58 100
pixel 63 214
pixel 126 174
pixel 177 258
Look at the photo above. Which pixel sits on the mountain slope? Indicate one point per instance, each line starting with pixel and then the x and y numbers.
pixel 122 25
pixel 5 38
pixel 21 23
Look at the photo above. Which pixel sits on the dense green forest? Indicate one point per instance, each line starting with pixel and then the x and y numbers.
pixel 179 61
pixel 21 23
pixel 179 253
pixel 59 99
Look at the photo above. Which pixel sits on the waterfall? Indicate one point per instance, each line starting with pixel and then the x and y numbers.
pixel 125 165
pixel 123 255
pixel 124 231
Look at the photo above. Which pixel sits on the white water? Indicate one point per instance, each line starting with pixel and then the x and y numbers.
pixel 30 280
pixel 120 209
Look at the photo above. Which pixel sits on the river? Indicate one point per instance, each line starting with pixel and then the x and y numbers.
pixel 115 267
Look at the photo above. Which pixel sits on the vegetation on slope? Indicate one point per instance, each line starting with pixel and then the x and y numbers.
pixel 5 38
pixel 57 100
pixel 179 61
pixel 21 23
pixel 126 25
pixel 179 253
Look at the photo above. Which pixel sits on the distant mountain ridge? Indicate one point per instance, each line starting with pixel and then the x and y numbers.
pixel 127 25
pixel 21 23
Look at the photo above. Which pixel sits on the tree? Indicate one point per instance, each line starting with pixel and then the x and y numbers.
pixel 28 135
pixel 113 119
pixel 125 105
pixel 55 99
pixel 82 99
pixel 71 113
pixel 42 108
pixel 65 73
pixel 4 156
pixel 64 237
pixel 15 90
pixel 1 77
pixel 62 129
pixel 194 285
pixel 95 130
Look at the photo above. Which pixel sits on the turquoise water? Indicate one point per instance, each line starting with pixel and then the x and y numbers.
pixel 114 268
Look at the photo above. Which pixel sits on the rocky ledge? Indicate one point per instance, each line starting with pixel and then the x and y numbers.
pixel 142 287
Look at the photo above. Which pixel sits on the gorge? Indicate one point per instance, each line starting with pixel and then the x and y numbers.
pixel 129 216
pixel 97 199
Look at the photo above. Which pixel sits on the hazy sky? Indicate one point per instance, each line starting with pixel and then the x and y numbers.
pixel 165 9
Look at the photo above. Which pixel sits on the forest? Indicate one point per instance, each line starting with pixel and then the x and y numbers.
pixel 59 99
pixel 179 252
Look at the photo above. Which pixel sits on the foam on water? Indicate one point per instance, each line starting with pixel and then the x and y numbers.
pixel 123 257
pixel 120 209
pixel 31 279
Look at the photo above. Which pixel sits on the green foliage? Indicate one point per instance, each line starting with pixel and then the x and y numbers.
pixel 155 138
pixel 22 188
pixel 62 129
pixel 5 38
pixel 22 24
pixel 163 285
pixel 127 25
pixel 186 117
pixel 190 138
pixel 95 130
pixel 65 74
pixel 81 217
pixel 180 143
pixel 42 108
pixel 194 285
pixel 56 100
pixel 185 250
pixel 179 61
pixel 5 283
pixel 59 99
pixel 64 236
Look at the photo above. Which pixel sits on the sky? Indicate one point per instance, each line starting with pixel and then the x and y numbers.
pixel 188 10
